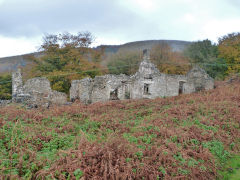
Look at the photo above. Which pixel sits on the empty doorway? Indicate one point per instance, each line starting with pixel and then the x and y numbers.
pixel 181 89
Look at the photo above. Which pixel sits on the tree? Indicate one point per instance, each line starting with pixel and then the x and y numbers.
pixel 168 61
pixel 206 55
pixel 229 49
pixel 202 52
pixel 124 62
pixel 69 55
pixel 160 53
pixel 5 87
pixel 216 68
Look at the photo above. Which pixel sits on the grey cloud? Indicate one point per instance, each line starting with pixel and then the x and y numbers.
pixel 31 18
pixel 108 19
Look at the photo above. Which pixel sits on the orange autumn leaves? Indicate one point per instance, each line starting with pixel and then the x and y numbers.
pixel 66 57
pixel 229 49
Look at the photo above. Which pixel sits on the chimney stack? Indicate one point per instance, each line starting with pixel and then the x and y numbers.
pixel 146 54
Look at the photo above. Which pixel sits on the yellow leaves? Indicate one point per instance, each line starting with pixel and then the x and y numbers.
pixel 173 68
pixel 58 86
pixel 66 57
pixel 229 49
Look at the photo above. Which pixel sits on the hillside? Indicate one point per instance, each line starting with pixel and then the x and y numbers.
pixel 9 64
pixel 194 136
pixel 148 44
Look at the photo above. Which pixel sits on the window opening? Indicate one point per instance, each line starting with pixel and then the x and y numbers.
pixel 114 95
pixel 146 89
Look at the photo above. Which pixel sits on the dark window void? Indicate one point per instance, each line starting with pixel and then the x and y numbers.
pixel 146 89
pixel 114 95
pixel 181 83
pixel 127 95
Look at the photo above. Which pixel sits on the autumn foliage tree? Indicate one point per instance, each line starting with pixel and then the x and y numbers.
pixel 66 57
pixel 166 60
pixel 229 49
pixel 169 61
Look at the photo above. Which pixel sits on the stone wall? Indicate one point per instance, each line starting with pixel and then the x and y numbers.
pixel 148 82
pixel 17 84
pixel 35 92
pixel 100 89
pixel 39 84
pixel 5 102
pixel 199 79
pixel 81 89
pixel 57 98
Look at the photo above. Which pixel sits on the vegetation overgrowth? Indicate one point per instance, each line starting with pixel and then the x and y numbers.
pixel 5 86
pixel 184 137
pixel 67 57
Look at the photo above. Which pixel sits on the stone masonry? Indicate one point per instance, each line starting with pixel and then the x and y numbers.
pixel 35 92
pixel 148 82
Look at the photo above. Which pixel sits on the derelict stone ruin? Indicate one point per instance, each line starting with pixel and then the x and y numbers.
pixel 148 82
pixel 35 92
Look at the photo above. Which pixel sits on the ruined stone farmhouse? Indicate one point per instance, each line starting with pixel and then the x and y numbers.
pixel 148 82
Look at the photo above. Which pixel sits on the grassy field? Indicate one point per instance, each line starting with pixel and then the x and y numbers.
pixel 193 136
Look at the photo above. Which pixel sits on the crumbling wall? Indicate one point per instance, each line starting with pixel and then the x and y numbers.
pixel 17 84
pixel 74 90
pixel 173 84
pixel 117 86
pixel 39 84
pixel 81 89
pixel 5 102
pixel 159 85
pixel 57 98
pixel 100 89
pixel 148 87
pixel 148 82
pixel 199 80
pixel 35 92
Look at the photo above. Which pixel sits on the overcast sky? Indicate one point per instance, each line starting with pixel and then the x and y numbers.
pixel 24 22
